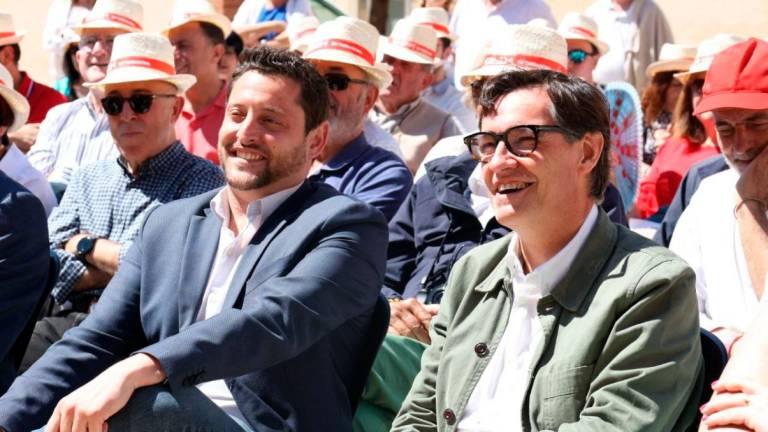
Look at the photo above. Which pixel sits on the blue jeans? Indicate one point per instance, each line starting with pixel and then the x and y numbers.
pixel 155 408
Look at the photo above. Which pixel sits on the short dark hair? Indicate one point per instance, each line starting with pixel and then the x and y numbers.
pixel 576 105
pixel 235 43
pixel 16 52
pixel 314 97
pixel 212 32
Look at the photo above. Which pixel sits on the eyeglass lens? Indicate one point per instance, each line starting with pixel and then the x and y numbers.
pixel 337 82
pixel 577 56
pixel 519 140
pixel 139 103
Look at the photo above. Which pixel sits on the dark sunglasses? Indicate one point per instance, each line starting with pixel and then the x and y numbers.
pixel 579 55
pixel 520 140
pixel 340 82
pixel 140 103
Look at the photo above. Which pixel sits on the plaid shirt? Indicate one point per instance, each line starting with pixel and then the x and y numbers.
pixel 105 200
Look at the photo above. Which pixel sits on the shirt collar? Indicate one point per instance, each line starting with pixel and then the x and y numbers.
pixel 25 87
pixel 348 154
pixel 13 162
pixel 157 163
pixel 260 209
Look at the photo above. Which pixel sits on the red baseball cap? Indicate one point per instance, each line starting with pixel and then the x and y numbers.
pixel 737 78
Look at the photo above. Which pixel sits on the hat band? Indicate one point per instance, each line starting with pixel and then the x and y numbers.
pixel 145 62
pixel 583 31
pixel 415 47
pixel 346 46
pixel 304 32
pixel 120 19
pixel 439 27
pixel 7 34
pixel 3 83
pixel 525 61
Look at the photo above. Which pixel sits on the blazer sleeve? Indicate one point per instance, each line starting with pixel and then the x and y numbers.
pixel 401 251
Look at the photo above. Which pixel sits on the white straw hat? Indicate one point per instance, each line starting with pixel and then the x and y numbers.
pixel 350 41
pixel 522 46
pixel 143 57
pixel 15 100
pixel 300 31
pixel 412 42
pixel 8 33
pixel 672 58
pixel 187 11
pixel 125 15
pixel 435 17
pixel 581 27
pixel 707 51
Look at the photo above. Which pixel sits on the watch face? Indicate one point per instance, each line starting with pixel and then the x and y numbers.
pixel 85 245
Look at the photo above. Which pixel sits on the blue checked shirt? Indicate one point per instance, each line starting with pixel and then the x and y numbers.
pixel 105 200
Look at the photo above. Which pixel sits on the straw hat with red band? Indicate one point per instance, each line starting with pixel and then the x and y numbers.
pixel 577 26
pixel 15 100
pixel 706 52
pixel 187 11
pixel 412 42
pixel 140 57
pixel 435 17
pixel 522 46
pixel 8 33
pixel 672 58
pixel 737 78
pixel 350 41
pixel 125 15
pixel 300 31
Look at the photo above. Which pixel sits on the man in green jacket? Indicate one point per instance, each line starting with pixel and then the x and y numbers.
pixel 570 323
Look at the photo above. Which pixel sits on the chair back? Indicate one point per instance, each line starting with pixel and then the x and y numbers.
pixel 715 357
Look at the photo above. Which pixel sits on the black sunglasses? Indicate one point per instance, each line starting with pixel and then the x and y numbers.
pixel 339 81
pixel 140 103
pixel 519 140
pixel 579 55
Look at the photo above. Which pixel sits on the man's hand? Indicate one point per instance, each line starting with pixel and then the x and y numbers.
pixel 410 318
pixel 25 136
pixel 88 408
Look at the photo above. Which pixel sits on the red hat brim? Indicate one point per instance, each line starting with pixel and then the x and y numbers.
pixel 752 100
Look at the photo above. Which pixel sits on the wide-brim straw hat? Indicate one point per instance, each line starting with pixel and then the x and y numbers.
pixel 706 52
pixel 8 33
pixel 300 31
pixel 672 58
pixel 435 17
pixel 576 26
pixel 521 47
pixel 138 57
pixel 350 41
pixel 15 100
pixel 413 43
pixel 187 11
pixel 126 15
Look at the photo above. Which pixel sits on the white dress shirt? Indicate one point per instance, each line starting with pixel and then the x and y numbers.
pixel 619 29
pixel 707 237
pixel 16 166
pixel 496 402
pixel 228 254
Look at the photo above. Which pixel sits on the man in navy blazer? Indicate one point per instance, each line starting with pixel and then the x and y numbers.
pixel 254 301
pixel 23 266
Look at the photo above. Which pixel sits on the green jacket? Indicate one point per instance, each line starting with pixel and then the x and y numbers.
pixel 620 352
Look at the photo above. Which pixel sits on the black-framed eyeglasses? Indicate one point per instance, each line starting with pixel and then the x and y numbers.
pixel 140 103
pixel 578 55
pixel 519 140
pixel 339 81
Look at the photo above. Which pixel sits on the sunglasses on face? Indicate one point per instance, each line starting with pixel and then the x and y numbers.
pixel 521 140
pixel 579 55
pixel 340 82
pixel 140 103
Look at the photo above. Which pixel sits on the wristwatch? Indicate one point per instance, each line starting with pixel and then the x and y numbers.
pixel 85 246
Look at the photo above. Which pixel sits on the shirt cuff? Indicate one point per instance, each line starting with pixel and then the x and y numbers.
pixel 71 271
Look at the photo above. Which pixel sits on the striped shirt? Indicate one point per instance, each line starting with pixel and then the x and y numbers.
pixel 105 200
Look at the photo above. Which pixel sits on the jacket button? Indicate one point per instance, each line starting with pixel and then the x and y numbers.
pixel 449 416
pixel 481 350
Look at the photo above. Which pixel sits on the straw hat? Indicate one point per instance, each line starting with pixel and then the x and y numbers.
pixel 300 30
pixel 578 26
pixel 16 101
pixel 350 41
pixel 435 17
pixel 113 14
pixel 672 58
pixel 187 11
pixel 412 42
pixel 522 46
pixel 707 51
pixel 140 57
pixel 8 33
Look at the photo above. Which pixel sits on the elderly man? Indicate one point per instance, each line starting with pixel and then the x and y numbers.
pixel 723 233
pixel 566 322
pixel 400 110
pixel 349 163
pixel 246 292
pixel 106 202
pixel 197 32
pixel 77 133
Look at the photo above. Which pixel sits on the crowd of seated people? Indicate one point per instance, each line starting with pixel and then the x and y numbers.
pixel 277 223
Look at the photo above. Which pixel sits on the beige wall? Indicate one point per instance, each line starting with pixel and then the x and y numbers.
pixel 691 20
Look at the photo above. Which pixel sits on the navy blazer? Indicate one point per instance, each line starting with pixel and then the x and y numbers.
pixel 288 341
pixel 23 266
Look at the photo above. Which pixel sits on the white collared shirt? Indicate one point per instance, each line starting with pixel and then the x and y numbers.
pixel 226 261
pixel 496 402
pixel 16 166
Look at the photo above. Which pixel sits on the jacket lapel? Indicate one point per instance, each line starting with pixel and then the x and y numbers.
pixel 197 259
